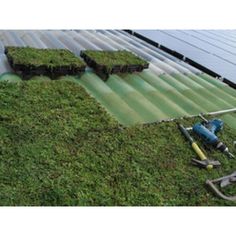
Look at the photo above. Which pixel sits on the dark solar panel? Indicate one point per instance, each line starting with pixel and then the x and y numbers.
pixel 213 49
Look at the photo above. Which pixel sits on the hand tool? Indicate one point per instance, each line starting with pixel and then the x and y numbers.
pixel 223 181
pixel 203 162
pixel 207 130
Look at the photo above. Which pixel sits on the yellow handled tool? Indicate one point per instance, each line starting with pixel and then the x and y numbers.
pixel 204 161
pixel 201 155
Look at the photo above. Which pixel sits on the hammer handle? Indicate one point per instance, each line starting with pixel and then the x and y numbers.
pixel 199 152
pixel 201 155
pixel 194 145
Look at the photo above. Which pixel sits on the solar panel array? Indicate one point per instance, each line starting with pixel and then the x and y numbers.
pixel 213 49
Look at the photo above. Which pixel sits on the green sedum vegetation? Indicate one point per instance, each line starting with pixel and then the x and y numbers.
pixel 34 61
pixel 38 57
pixel 121 57
pixel 109 59
pixel 58 146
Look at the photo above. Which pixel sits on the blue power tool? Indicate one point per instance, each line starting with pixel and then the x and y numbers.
pixel 207 130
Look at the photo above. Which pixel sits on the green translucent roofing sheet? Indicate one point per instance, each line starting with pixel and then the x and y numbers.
pixel 146 98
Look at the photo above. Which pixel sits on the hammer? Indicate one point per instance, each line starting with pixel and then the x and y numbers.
pixel 204 161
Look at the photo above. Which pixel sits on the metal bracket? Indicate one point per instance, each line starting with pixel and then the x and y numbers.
pixel 223 181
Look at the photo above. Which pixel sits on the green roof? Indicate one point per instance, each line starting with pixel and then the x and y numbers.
pixel 60 148
pixel 82 141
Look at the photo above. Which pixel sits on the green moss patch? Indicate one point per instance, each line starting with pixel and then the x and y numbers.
pixel 51 62
pixel 58 146
pixel 113 62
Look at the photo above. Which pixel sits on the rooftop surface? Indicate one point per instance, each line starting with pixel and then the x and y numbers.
pixel 60 147
pixel 169 89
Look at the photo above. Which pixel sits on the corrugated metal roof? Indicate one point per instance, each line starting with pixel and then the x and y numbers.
pixel 214 49
pixel 170 88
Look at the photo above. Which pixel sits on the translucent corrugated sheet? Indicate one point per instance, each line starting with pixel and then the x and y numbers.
pixel 169 89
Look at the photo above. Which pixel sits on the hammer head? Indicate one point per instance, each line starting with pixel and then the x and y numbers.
pixel 206 163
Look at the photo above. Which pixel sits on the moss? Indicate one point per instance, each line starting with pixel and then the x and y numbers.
pixel 58 146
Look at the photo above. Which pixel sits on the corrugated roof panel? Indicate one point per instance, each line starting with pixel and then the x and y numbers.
pixel 169 89
pixel 6 40
pixel 50 41
pixel 139 51
pixel 83 41
pixel 69 42
pixel 4 66
pixel 32 41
